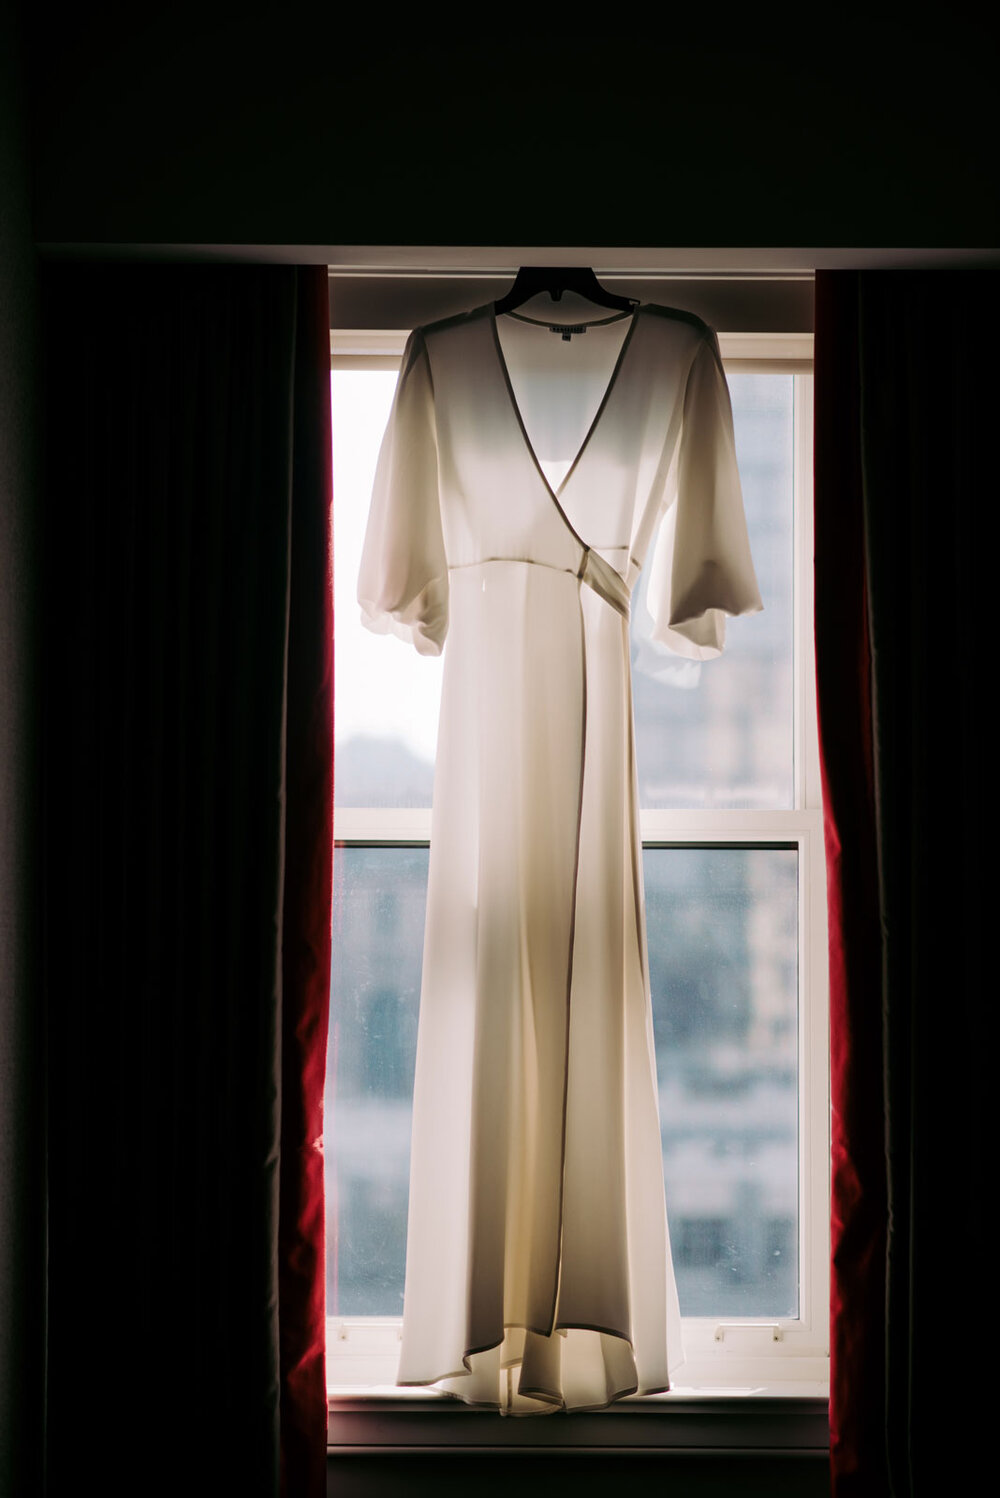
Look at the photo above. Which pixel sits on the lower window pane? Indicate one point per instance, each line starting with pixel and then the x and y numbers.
pixel 722 927
pixel 378 932
pixel 723 939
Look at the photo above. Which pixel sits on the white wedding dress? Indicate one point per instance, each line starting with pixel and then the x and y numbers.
pixel 522 479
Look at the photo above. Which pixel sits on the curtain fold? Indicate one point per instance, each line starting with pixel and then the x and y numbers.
pixel 905 481
pixel 187 848
pixel 308 893
pixel 843 681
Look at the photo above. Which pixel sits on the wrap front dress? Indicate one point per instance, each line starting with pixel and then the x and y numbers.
pixel 523 478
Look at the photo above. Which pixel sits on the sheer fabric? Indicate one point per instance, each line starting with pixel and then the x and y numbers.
pixel 521 480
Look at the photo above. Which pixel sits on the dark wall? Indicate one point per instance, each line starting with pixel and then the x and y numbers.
pixel 530 1475
pixel 21 1117
pixel 209 123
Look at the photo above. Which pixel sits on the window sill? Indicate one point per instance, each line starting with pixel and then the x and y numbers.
pixel 766 1419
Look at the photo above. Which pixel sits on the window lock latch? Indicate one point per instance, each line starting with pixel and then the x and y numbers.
pixel 752 1331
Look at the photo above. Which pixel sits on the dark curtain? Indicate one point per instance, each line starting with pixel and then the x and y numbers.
pixel 187 874
pixel 905 470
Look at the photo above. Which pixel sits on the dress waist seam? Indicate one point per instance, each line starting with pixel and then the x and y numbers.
pixel 598 575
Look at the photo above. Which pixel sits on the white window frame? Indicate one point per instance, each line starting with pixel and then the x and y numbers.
pixel 768 1358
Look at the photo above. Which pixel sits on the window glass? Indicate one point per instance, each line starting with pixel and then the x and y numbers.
pixel 713 735
pixel 386 697
pixel 378 932
pixel 719 733
pixel 722 920
pixel 722 929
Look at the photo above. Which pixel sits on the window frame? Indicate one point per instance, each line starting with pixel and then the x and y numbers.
pixel 777 1359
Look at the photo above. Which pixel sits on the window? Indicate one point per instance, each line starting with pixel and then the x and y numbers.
pixel 735 899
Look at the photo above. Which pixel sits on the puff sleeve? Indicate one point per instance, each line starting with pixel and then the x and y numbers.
pixel 701 568
pixel 403 580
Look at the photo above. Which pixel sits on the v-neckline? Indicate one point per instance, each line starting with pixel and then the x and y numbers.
pixel 556 493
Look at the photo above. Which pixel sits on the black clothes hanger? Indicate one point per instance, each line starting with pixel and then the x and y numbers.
pixel 531 279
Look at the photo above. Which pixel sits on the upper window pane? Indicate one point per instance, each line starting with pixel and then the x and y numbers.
pixel 386 696
pixel 716 735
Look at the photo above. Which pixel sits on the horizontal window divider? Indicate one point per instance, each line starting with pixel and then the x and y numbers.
pixel 387 1329
pixel 727 843
pixel 742 353
pixel 752 1357
pixel 726 825
pixel 375 826
pixel 366 362
pixel 381 842
pixel 790 353
pixel 781 1391
pixel 476 263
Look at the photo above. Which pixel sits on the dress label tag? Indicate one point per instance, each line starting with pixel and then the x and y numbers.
pixel 567 329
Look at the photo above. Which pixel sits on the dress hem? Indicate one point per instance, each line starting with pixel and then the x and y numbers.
pixel 553 1401
pixel 554 1406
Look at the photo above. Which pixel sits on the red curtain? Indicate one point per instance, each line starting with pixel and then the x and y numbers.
pixel 905 460
pixel 307 914
pixel 843 675
pixel 187 846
